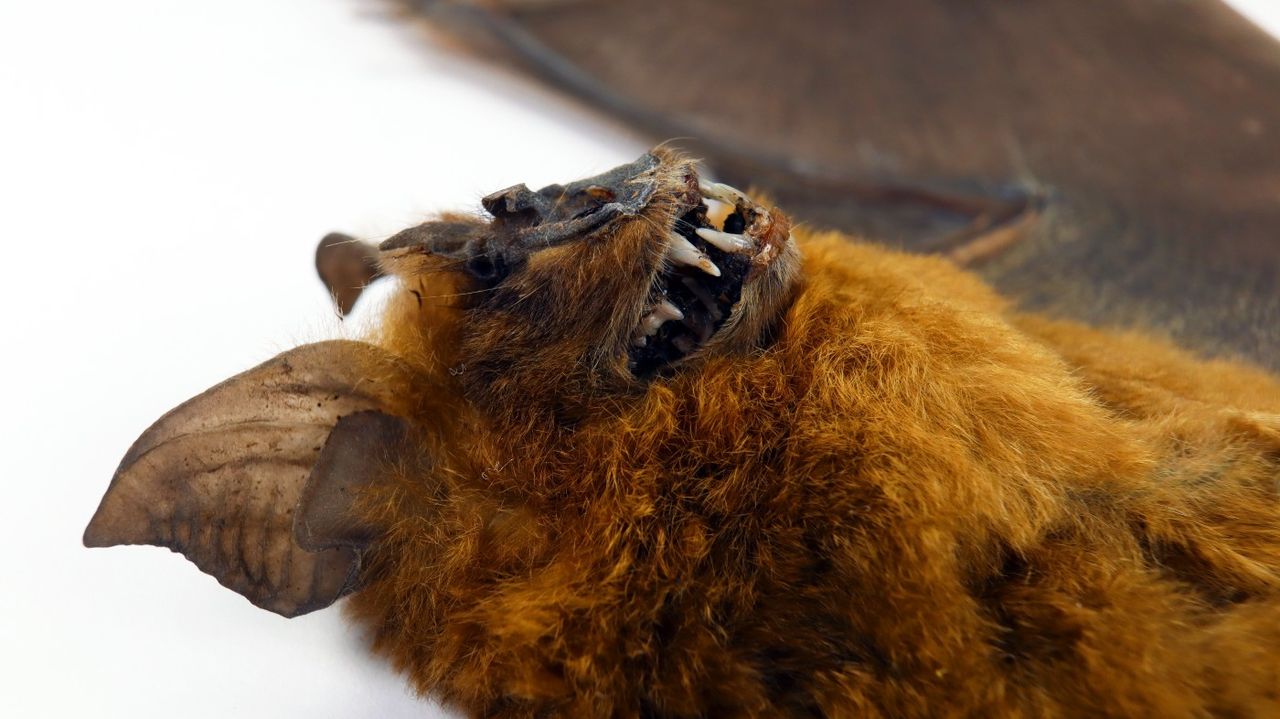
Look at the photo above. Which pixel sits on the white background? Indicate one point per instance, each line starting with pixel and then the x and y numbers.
pixel 166 169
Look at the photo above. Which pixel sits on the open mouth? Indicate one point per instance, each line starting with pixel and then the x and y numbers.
pixel 695 293
pixel 700 283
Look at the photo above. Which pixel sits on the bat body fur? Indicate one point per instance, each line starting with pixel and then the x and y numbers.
pixel 877 490
pixel 913 501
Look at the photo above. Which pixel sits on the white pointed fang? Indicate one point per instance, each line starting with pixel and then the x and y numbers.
pixel 664 312
pixel 723 193
pixel 668 311
pixel 724 240
pixel 683 251
pixel 649 325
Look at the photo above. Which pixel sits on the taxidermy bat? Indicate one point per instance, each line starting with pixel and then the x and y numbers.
pixel 638 446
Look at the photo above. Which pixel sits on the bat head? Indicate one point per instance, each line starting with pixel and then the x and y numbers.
pixel 594 287
pixel 562 298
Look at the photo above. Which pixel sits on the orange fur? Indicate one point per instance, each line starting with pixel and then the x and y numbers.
pixel 902 498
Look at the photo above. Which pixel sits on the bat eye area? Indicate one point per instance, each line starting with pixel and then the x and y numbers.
pixel 700 281
pixel 486 269
pixel 587 201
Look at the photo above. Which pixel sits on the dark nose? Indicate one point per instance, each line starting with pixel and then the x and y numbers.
pixel 520 203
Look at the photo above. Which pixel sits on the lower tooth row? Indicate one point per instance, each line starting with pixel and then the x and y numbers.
pixel 723 193
pixel 664 311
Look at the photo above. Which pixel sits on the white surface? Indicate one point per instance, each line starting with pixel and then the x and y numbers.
pixel 165 171
pixel 1265 13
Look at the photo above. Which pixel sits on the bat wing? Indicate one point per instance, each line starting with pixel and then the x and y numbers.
pixel 1118 162
pixel 224 478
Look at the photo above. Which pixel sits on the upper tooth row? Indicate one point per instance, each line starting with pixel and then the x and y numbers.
pixel 683 252
pixel 722 192
pixel 725 241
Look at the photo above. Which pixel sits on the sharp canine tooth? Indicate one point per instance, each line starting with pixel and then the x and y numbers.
pixel 724 240
pixel 668 311
pixel 722 192
pixel 663 312
pixel 649 325
pixel 685 253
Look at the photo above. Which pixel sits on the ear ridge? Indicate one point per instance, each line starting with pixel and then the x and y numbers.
pixel 360 452
pixel 219 478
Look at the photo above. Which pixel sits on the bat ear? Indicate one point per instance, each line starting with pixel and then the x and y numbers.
pixel 346 266
pixel 224 478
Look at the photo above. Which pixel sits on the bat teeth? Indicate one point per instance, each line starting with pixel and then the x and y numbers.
pixel 726 241
pixel 723 193
pixel 663 312
pixel 683 252
pixel 649 325
pixel 668 311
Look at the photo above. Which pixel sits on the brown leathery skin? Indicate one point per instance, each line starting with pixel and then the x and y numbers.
pixel 219 478
pixel 1108 162
pixel 900 498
